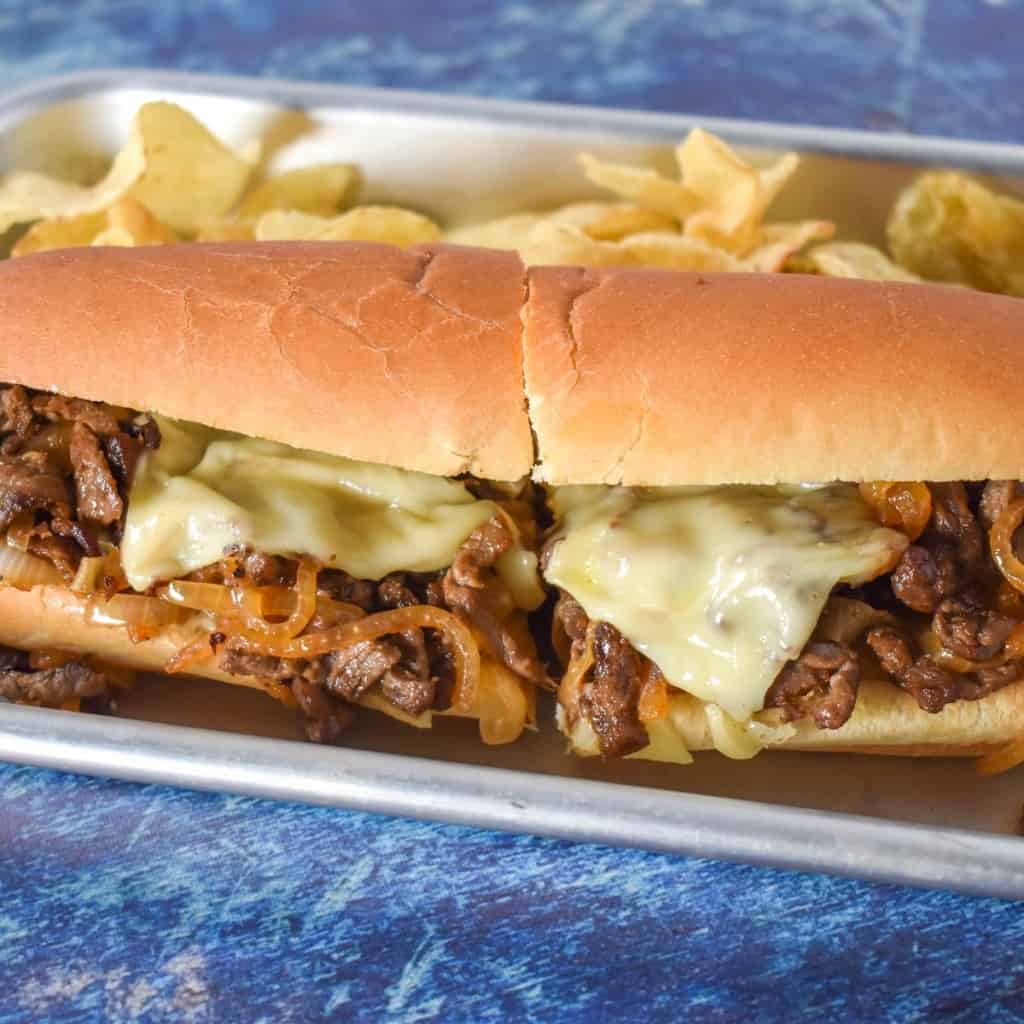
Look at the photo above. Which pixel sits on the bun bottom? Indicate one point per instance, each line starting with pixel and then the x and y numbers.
pixel 54 618
pixel 886 721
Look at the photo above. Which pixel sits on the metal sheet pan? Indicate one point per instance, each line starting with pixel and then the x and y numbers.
pixel 929 822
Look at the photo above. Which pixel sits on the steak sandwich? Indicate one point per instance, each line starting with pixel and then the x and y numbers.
pixel 769 510
pixel 785 512
pixel 298 467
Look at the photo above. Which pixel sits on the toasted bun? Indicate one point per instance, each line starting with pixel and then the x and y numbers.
pixel 410 358
pixel 652 377
pixel 886 720
pixel 53 618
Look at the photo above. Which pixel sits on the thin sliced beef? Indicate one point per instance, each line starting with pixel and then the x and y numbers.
pixel 350 672
pixel 95 486
pixel 995 498
pixel 822 683
pixel 969 630
pixel 81 533
pixel 924 577
pixel 31 482
pixel 17 411
pixel 953 521
pixel 53 686
pixel 611 699
pixel 97 418
pixel 340 586
pixel 123 452
pixel 474 591
pixel 326 719
pixel 63 552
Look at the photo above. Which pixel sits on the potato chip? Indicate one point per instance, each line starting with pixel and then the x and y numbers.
pixel 131 217
pixel 734 196
pixel 620 220
pixel 777 242
pixel 190 176
pixel 170 163
pixel 504 233
pixel 391 224
pixel 643 186
pixel 948 227
pixel 322 190
pixel 553 244
pixel 855 259
pixel 60 233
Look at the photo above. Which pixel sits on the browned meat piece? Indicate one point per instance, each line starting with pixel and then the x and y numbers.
pixel 821 683
pixel 235 659
pixel 53 686
pixel 326 719
pixel 408 691
pixel 339 586
pixel 953 520
pixel 393 592
pixel 62 551
pixel 17 412
pixel 96 489
pixel 474 560
pixel 30 481
pixel 891 648
pixel 610 700
pixel 146 431
pixel 573 619
pixel 933 687
pixel 81 533
pixel 923 577
pixel 123 452
pixel 995 498
pixel 96 417
pixel 992 679
pixel 350 672
pixel 474 591
pixel 969 630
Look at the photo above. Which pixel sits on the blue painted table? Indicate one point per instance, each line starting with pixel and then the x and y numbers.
pixel 125 903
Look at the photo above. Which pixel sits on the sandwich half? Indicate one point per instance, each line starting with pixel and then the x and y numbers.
pixel 785 512
pixel 300 467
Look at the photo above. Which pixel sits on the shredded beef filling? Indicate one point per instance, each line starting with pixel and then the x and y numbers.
pixel 65 466
pixel 413 670
pixel 50 687
pixel 945 586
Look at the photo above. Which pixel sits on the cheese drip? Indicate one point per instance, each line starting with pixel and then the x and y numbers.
pixel 719 587
pixel 203 490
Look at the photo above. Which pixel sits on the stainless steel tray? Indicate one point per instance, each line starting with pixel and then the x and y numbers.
pixel 929 822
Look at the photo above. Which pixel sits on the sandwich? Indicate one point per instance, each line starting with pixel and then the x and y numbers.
pixel 785 511
pixel 723 511
pixel 300 467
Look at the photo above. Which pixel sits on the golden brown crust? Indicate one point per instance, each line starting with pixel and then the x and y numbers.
pixel 651 377
pixel 410 358
pixel 887 720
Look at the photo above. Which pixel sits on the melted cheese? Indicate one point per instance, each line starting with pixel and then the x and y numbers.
pixel 203 490
pixel 719 587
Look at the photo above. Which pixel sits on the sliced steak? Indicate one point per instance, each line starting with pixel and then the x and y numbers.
pixel 31 482
pixel 97 418
pixel 350 672
pixel 17 410
pixel 923 578
pixel 95 487
pixel 969 630
pixel 610 700
pixel 326 719
pixel 822 683
pixel 53 686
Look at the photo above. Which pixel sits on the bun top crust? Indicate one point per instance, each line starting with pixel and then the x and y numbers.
pixel 410 358
pixel 659 378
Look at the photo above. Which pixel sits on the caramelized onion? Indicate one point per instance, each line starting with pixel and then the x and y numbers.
pixel 905 506
pixel 1013 650
pixel 572 682
pixel 24 571
pixel 191 654
pixel 653 703
pixel 457 636
pixel 148 615
pixel 1001 541
pixel 501 704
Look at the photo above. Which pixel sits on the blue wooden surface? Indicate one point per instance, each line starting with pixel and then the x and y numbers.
pixel 125 903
